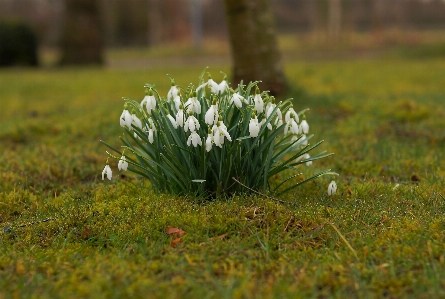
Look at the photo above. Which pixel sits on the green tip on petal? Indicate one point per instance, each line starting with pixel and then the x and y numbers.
pixel 257 90
pixel 194 94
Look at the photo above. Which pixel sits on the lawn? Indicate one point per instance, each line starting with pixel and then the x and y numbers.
pixel 66 233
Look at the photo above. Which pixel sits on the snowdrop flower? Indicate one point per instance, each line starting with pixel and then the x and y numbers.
pixel 173 92
pixel 291 114
pixel 176 102
pixel 291 119
pixel 149 101
pixel 332 188
pixel 107 171
pixel 125 119
pixel 304 127
pixel 173 121
pixel 123 164
pixel 193 104
pixel 209 141
pixel 237 99
pixel 191 123
pixel 180 117
pixel 278 121
pixel 259 104
pixel 212 115
pixel 218 88
pixel 219 132
pixel 150 135
pixel 136 121
pixel 194 139
pixel 254 127
pixel 304 157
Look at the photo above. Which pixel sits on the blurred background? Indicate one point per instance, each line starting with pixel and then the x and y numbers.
pixel 130 33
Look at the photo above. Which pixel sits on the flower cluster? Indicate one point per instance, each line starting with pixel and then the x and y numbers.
pixel 210 134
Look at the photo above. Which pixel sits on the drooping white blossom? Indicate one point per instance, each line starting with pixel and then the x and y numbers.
pixel 180 117
pixel 107 171
pixel 125 119
pixel 278 120
pixel 149 102
pixel 194 139
pixel 259 103
pixel 136 121
pixel 304 157
pixel 291 126
pixel 150 135
pixel 238 100
pixel 304 127
pixel 173 92
pixel 193 105
pixel 123 164
pixel 218 88
pixel 254 127
pixel 219 132
pixel 332 188
pixel 209 142
pixel 173 121
pixel 191 123
pixel 212 115
pixel 291 114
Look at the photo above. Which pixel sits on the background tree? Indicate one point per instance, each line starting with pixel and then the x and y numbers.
pixel 81 41
pixel 253 43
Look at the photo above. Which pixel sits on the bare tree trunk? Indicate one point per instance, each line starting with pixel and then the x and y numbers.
pixel 82 35
pixel 254 46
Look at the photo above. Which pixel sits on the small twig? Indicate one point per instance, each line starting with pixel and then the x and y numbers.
pixel 35 222
pixel 287 225
pixel 259 193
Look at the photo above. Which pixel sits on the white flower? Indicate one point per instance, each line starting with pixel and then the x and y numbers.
pixel 193 104
pixel 304 140
pixel 218 88
pixel 107 171
pixel 180 118
pixel 304 157
pixel 176 102
pixel 291 114
pixel 150 103
pixel 332 189
pixel 123 164
pixel 212 115
pixel 125 119
pixel 304 127
pixel 292 126
pixel 150 135
pixel 136 121
pixel 191 123
pixel 254 127
pixel 237 99
pixel 259 104
pixel 173 121
pixel 209 141
pixel 172 93
pixel 194 139
pixel 278 121
pixel 219 132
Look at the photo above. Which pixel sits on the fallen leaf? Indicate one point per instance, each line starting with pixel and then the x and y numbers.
pixel 174 231
pixel 175 242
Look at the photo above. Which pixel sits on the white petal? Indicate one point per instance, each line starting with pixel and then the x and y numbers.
pixel 332 188
pixel 173 121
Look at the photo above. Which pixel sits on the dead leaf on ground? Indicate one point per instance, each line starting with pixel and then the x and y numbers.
pixel 175 242
pixel 174 231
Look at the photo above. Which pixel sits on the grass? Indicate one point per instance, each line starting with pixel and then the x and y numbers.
pixel 66 233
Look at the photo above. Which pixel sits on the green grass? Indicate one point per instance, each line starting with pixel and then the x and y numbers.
pixel 383 119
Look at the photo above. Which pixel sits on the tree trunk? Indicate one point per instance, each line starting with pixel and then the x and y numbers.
pixel 82 36
pixel 334 20
pixel 254 46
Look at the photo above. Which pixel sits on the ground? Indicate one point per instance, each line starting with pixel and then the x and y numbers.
pixel 66 233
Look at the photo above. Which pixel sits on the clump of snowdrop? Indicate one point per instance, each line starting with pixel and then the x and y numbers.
pixel 198 140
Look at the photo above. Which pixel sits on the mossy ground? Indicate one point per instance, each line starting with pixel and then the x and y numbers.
pixel 381 235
